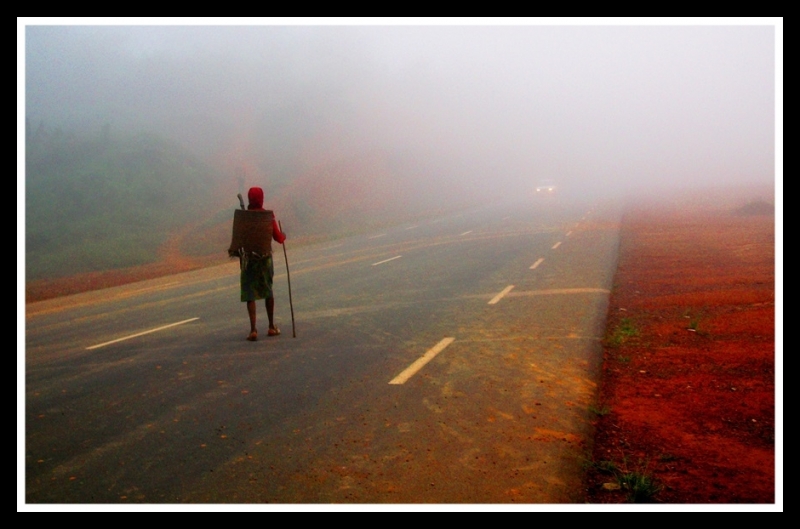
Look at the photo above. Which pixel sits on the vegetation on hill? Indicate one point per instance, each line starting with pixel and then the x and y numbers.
pixel 99 201
pixel 96 202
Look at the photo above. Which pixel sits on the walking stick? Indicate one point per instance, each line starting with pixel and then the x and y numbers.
pixel 294 335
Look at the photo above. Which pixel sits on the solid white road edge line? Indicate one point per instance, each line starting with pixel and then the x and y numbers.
pixel 142 333
pixel 387 260
pixel 466 232
pixel 537 263
pixel 502 293
pixel 377 236
pixel 556 245
pixel 154 287
pixel 421 361
pixel 569 233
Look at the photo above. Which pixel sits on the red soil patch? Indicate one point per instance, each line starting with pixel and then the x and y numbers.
pixel 688 389
pixel 42 289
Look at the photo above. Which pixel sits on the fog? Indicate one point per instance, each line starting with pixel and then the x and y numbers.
pixel 137 137
pixel 493 108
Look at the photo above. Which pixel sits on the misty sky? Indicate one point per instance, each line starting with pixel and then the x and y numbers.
pixel 597 105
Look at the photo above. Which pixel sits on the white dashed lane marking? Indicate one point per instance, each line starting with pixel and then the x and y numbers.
pixel 141 333
pixel 421 361
pixel 387 260
pixel 502 293
pixel 155 287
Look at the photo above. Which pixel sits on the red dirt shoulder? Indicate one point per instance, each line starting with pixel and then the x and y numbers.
pixel 687 394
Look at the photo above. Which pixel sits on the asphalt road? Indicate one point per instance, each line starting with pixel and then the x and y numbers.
pixel 453 360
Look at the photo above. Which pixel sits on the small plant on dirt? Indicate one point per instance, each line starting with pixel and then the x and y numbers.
pixel 641 488
pixel 694 320
pixel 625 329
pixel 600 410
pixel 638 484
pixel 624 359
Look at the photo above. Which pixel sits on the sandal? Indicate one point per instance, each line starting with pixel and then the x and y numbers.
pixel 273 331
pixel 253 336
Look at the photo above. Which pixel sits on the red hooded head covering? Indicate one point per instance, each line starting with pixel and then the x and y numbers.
pixel 255 198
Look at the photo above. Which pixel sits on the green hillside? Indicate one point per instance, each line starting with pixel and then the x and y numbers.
pixel 97 202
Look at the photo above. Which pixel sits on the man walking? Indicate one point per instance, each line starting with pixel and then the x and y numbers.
pixel 257 272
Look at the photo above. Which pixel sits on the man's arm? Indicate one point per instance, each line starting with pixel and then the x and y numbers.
pixel 277 235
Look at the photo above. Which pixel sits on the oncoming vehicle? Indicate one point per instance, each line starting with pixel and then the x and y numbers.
pixel 546 187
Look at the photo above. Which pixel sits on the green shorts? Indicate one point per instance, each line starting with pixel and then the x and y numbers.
pixel 256 279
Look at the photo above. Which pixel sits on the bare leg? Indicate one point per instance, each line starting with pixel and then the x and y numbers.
pixel 273 331
pixel 270 302
pixel 251 312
